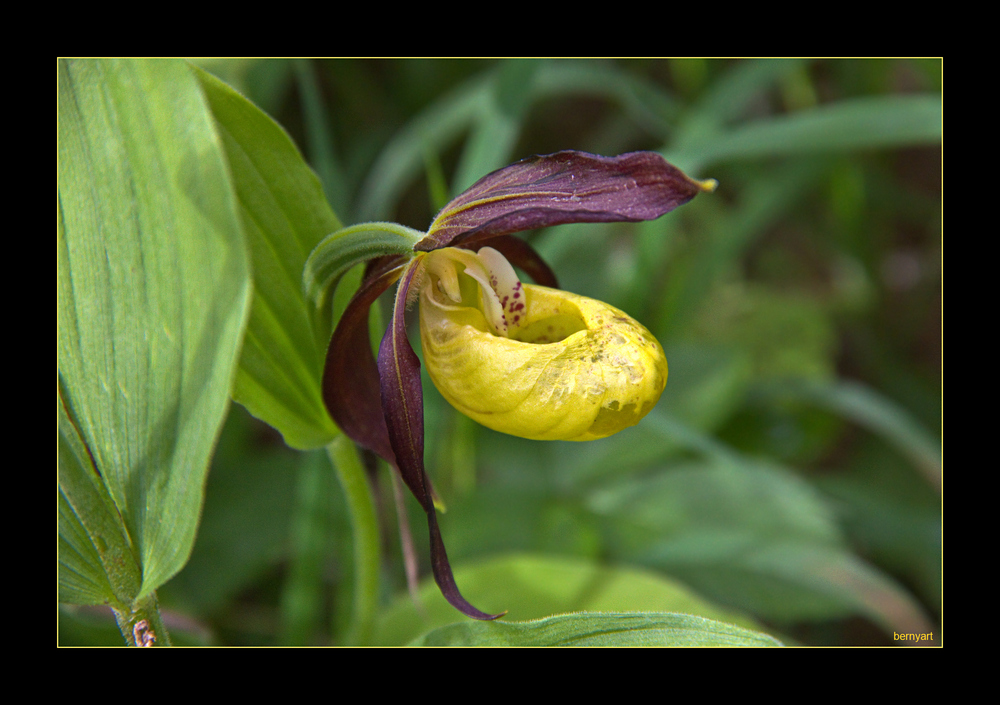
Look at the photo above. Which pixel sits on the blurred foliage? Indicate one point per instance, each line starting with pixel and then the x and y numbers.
pixel 789 479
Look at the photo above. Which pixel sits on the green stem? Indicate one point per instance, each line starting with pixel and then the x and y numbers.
pixel 142 625
pixel 361 507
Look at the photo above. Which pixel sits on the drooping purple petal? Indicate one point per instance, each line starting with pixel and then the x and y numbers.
pixel 351 388
pixel 402 400
pixel 565 187
pixel 403 397
pixel 444 577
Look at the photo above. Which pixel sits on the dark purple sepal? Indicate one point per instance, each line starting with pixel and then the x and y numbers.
pixel 403 403
pixel 444 577
pixel 351 389
pixel 403 397
pixel 521 254
pixel 565 187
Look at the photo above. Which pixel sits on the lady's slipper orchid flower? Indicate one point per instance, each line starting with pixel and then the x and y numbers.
pixel 528 360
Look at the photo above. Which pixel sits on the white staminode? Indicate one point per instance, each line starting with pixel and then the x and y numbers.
pixel 501 294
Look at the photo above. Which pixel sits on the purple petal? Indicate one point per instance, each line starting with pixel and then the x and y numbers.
pixel 350 378
pixel 403 397
pixel 444 577
pixel 402 400
pixel 565 187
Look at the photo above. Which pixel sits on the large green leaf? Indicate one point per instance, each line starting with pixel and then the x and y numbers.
pixel 153 290
pixel 532 586
pixel 598 629
pixel 284 215
pixel 96 561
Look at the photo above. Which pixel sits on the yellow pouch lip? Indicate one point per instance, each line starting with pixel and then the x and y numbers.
pixel 591 384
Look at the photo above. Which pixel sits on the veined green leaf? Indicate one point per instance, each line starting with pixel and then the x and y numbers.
pixel 153 290
pixel 284 214
pixel 80 578
pixel 96 561
pixel 599 629
pixel 532 587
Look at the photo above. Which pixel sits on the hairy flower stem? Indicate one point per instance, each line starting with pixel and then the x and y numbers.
pixel 364 525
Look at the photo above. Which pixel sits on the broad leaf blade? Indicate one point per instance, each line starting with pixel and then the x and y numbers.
pixel 153 290
pixel 96 562
pixel 534 586
pixel 599 629
pixel 80 579
pixel 285 215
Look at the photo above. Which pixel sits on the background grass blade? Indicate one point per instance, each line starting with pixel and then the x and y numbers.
pixel 861 123
pixel 880 415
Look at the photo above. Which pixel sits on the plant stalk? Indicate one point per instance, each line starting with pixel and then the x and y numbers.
pixel 361 507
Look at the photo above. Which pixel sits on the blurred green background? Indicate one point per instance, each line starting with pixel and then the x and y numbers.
pixel 790 477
